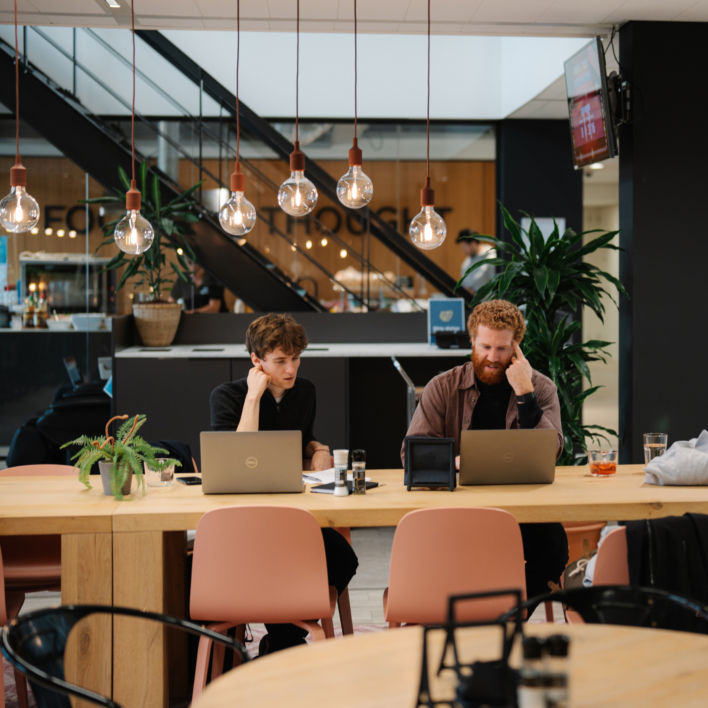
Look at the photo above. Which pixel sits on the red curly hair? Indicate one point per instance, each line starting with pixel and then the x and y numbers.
pixel 497 314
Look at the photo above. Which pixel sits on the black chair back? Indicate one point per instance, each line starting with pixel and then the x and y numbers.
pixel 631 605
pixel 35 644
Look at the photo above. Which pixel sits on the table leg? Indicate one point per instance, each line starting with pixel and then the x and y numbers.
pixel 148 567
pixel 86 578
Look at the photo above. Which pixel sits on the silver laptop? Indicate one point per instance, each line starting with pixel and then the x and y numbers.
pixel 267 461
pixel 508 456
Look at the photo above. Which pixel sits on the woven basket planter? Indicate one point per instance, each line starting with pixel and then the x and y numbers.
pixel 157 322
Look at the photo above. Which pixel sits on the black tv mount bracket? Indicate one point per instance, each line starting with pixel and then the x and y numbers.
pixel 620 96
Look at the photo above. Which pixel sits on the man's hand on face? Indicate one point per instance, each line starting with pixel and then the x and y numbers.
pixel 257 382
pixel 518 373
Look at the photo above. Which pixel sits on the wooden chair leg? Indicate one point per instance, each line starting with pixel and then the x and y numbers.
pixel 345 612
pixel 21 688
pixel 549 611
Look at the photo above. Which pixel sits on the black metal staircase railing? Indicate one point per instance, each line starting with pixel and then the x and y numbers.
pixel 99 150
pixel 260 128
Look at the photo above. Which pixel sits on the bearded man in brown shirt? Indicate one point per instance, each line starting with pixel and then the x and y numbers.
pixel 498 389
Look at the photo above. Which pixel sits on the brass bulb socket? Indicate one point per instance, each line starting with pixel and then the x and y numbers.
pixel 427 196
pixel 355 157
pixel 18 175
pixel 132 199
pixel 297 158
pixel 238 182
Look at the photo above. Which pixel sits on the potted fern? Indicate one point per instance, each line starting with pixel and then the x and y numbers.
pixel 550 278
pixel 119 457
pixel 156 319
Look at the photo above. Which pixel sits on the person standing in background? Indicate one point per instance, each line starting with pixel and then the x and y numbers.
pixel 471 247
pixel 201 294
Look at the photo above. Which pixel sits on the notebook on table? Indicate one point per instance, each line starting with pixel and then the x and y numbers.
pixel 267 461
pixel 508 456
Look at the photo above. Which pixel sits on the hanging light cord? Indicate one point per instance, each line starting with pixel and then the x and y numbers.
pixel 297 73
pixel 238 48
pixel 132 111
pixel 355 72
pixel 427 119
pixel 17 95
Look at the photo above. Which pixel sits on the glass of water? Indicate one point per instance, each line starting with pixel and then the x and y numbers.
pixel 654 445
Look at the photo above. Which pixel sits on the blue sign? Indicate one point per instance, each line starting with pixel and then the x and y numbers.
pixel 445 314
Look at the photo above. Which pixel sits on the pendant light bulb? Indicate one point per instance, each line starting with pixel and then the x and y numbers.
pixel 19 211
pixel 297 196
pixel 133 233
pixel 427 229
pixel 238 216
pixel 355 188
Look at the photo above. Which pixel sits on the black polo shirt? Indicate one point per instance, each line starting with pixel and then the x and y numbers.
pixel 295 411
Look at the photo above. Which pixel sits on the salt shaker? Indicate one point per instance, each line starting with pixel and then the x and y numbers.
pixel 341 458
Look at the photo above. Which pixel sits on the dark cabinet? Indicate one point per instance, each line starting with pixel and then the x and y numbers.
pixel 173 394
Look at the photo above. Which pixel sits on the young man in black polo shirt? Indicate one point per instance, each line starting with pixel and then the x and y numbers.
pixel 272 397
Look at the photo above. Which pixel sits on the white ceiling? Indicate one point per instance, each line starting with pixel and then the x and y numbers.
pixel 567 18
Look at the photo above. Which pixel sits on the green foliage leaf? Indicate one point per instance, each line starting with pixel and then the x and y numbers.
pixel 554 283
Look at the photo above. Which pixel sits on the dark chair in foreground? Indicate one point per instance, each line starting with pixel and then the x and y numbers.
pixel 35 644
pixel 630 605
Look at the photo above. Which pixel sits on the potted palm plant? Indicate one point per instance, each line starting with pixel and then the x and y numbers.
pixel 550 278
pixel 119 457
pixel 156 319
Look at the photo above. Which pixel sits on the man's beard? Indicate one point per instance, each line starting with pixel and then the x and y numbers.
pixel 479 362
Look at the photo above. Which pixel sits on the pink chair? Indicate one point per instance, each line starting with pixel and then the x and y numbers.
pixel 31 563
pixel 441 552
pixel 258 564
pixel 611 567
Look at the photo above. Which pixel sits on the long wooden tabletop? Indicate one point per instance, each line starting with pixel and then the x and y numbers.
pixel 62 505
pixel 609 666
pixel 574 496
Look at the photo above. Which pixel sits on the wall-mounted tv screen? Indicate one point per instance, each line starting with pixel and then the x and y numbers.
pixel 591 128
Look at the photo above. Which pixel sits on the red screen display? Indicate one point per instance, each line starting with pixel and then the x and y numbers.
pixel 587 105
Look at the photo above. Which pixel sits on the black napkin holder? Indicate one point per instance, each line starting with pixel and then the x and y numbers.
pixel 430 462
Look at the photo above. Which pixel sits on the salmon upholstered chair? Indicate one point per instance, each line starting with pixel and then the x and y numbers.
pixel 258 564
pixel 31 563
pixel 611 566
pixel 449 551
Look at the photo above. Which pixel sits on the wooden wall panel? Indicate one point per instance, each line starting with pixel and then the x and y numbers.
pixel 465 192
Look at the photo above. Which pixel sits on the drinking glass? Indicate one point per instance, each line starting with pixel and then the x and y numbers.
pixel 159 478
pixel 654 445
pixel 603 463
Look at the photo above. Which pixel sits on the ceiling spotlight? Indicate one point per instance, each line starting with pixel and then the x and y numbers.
pixel 48 231
pixel 343 253
pixel 72 233
pixel 60 233
pixel 34 231
pixel 323 242
pixel 308 244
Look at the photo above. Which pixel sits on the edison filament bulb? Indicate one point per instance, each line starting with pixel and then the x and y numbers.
pixel 133 233
pixel 297 196
pixel 238 216
pixel 427 229
pixel 355 188
pixel 19 211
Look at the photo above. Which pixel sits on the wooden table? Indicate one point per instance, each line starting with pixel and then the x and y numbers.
pixel 609 666
pixel 130 553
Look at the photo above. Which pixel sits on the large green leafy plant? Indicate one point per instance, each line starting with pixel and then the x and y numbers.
pixel 171 221
pixel 553 281
pixel 127 452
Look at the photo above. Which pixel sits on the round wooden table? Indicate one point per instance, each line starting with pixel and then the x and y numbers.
pixel 609 666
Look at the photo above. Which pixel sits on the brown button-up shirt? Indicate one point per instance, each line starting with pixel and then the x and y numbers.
pixel 446 405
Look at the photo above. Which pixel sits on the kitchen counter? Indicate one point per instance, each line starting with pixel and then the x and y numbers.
pixel 325 350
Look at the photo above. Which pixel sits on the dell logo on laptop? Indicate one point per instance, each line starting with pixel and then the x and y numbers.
pixel 251 463
pixel 508 457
